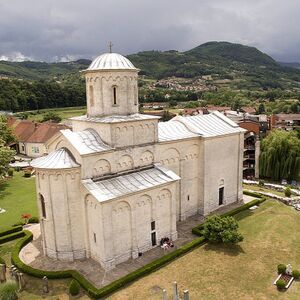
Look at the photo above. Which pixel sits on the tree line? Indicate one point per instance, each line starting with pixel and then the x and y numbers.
pixel 19 95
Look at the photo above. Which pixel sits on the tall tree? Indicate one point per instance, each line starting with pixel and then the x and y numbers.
pixel 6 138
pixel 280 156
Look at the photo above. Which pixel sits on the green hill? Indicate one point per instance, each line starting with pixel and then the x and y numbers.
pixel 226 60
pixel 31 70
pixel 232 67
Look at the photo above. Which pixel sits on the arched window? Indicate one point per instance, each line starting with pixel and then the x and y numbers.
pixel 91 92
pixel 43 206
pixel 114 95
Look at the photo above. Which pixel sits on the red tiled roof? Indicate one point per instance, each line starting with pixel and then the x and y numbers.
pixel 45 131
pixel 33 132
pixel 249 110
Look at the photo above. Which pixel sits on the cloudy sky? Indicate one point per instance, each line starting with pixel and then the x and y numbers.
pixel 57 30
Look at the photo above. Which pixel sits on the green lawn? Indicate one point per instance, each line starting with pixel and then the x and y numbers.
pixel 263 189
pixel 246 271
pixel 17 196
pixel 64 113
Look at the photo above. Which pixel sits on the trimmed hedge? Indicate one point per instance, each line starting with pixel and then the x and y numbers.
pixel 198 229
pixel 121 282
pixel 11 237
pixel 11 230
pixel 253 194
pixel 110 288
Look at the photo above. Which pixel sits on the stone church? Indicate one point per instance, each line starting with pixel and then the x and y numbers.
pixel 119 182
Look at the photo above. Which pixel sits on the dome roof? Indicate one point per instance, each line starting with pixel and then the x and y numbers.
pixel 111 61
pixel 58 159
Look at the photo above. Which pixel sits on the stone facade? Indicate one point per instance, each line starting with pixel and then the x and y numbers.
pixel 95 191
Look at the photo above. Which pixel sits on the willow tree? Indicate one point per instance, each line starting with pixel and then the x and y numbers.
pixel 280 156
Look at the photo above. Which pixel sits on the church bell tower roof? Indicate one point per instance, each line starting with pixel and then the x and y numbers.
pixel 111 61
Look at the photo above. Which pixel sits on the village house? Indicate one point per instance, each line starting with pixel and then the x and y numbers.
pixel 32 136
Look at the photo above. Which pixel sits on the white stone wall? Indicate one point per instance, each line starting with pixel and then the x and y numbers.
pixel 122 134
pixel 222 168
pixel 33 149
pixel 184 157
pixel 120 229
pixel 99 89
pixel 63 226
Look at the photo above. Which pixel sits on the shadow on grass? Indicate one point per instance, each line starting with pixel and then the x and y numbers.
pixel 3 186
pixel 229 249
pixel 242 215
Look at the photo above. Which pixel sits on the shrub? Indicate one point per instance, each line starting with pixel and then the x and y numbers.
pixel 198 230
pixel 74 288
pixel 261 183
pixel 11 237
pixel 287 192
pixel 110 288
pixel 27 174
pixel 11 230
pixel 253 194
pixel 8 290
pixel 34 220
pixel 221 229
pixel 280 284
pixel 281 268
pixel 296 274
pixel 10 172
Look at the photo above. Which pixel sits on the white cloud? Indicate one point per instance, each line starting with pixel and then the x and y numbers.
pixel 15 56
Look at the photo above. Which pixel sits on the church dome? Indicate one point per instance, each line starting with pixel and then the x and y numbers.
pixel 111 61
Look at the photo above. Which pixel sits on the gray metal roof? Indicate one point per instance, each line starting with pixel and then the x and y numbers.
pixel 134 182
pixel 111 61
pixel 210 125
pixel 115 118
pixel 86 141
pixel 58 159
pixel 173 130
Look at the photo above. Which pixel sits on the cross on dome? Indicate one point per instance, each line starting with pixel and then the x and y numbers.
pixel 110 46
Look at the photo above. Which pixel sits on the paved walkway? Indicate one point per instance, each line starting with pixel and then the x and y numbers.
pixel 32 253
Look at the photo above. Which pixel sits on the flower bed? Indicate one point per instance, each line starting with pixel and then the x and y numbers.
pixel 288 279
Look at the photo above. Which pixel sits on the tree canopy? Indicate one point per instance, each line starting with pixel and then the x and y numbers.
pixel 6 138
pixel 219 229
pixel 280 156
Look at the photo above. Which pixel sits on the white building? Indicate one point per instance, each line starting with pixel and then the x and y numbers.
pixel 119 182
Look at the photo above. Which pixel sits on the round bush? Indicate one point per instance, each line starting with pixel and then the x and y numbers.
pixel 281 269
pixel 10 172
pixel 287 192
pixel 74 288
pixel 27 174
pixel 296 274
pixel 280 284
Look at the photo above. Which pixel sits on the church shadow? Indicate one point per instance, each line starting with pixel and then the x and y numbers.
pixel 227 249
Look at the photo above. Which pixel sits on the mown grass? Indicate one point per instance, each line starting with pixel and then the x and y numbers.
pixel 262 189
pixel 245 271
pixel 17 196
pixel 64 113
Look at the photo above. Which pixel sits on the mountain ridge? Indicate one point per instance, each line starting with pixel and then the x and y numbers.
pixel 224 59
